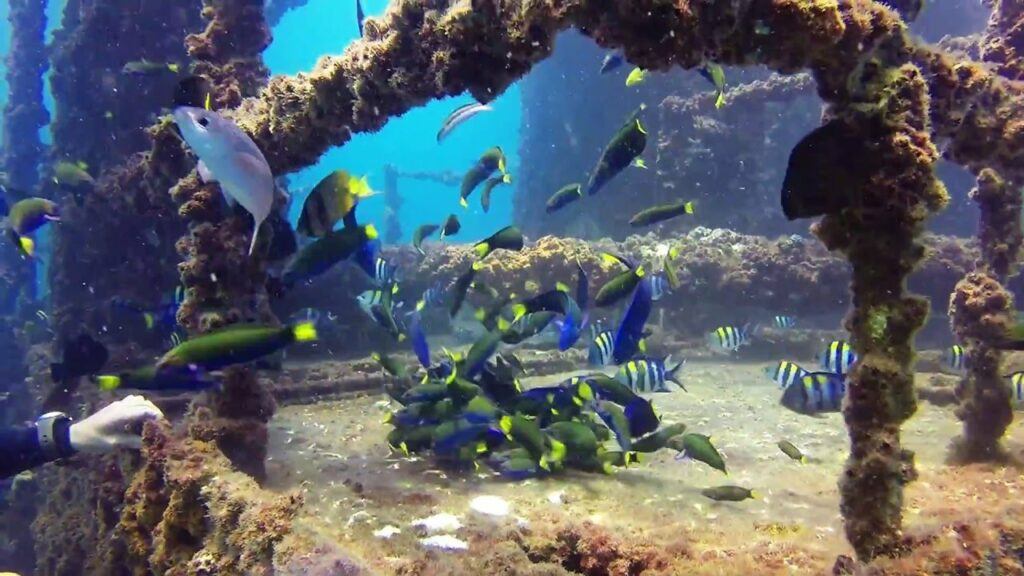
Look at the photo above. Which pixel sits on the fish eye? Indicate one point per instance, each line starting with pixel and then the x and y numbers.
pixel 204 121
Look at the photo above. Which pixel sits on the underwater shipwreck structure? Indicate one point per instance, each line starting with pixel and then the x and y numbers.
pixel 191 502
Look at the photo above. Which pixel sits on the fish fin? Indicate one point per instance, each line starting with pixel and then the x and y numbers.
pixel 562 287
pixel 640 271
pixel 640 127
pixel 518 311
pixel 107 383
pixel 207 176
pixel 304 332
pixel 503 324
pixel 558 450
pixel 642 345
pixel 463 202
pixel 25 244
pixel 720 100
pixel 371 232
pixel 148 318
pixel 688 208
pixel 482 249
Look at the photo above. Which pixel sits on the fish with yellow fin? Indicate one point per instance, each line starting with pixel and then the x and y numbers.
pixel 333 199
pixel 491 160
pixel 25 217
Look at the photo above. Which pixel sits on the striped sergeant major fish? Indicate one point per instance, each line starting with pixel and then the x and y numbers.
pixel 838 357
pixel 784 321
pixel 726 339
pixel 370 298
pixel 1017 386
pixel 384 273
pixel 954 357
pixel 649 374
pixel 816 392
pixel 601 348
pixel 785 373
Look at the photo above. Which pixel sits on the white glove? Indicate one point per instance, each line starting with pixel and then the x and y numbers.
pixel 116 425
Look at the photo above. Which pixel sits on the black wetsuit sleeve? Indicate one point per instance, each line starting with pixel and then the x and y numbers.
pixel 19 450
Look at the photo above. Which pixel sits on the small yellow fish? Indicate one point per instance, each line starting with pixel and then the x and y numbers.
pixel 636 76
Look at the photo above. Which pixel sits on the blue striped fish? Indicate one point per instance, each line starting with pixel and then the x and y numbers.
pixel 785 373
pixel 649 374
pixel 784 321
pixel 726 339
pixel 954 357
pixel 601 348
pixel 816 392
pixel 838 357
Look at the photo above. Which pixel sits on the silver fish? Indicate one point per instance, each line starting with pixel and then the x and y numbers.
pixel 458 116
pixel 227 155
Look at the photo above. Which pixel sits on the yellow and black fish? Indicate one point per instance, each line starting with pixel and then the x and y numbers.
pixel 493 159
pixel 333 199
pixel 628 143
pixel 656 214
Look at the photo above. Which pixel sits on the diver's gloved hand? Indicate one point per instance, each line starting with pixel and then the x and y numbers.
pixel 116 425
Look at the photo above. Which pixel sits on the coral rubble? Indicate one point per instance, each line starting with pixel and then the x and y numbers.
pixel 186 511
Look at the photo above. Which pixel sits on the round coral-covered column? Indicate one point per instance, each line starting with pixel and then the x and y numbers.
pixel 981 310
pixel 879 236
pixel 224 284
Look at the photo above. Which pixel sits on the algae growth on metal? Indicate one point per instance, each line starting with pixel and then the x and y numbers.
pixel 511 287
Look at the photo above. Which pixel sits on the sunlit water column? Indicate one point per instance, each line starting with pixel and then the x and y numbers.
pixel 880 239
pixel 224 284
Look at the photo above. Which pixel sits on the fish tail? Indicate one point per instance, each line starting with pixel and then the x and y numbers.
pixel 688 207
pixel 304 332
pixel 720 100
pixel 148 318
pixel 482 249
pixel 107 383
pixel 24 243
pixel 755 495
pixel 173 67
pixel 518 311
pixel 506 178
pixel 463 202
pixel 557 453
pixel 371 232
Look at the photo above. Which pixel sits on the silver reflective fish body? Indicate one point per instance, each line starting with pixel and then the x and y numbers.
pixel 460 115
pixel 228 156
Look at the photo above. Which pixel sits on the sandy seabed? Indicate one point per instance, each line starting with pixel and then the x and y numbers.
pixel 650 518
